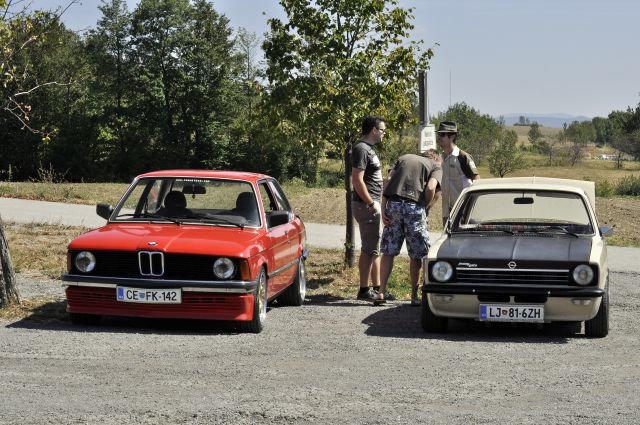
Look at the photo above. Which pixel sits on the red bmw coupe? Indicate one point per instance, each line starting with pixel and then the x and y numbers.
pixel 190 244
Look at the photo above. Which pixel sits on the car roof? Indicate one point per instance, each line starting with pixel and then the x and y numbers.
pixel 539 183
pixel 220 174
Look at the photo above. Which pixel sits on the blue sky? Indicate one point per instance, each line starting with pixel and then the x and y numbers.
pixel 579 57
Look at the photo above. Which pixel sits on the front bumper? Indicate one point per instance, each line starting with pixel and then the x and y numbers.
pixel 213 300
pixel 463 301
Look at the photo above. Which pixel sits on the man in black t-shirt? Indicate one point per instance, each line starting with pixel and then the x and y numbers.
pixel 366 176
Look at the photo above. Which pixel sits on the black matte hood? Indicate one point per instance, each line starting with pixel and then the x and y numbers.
pixel 496 251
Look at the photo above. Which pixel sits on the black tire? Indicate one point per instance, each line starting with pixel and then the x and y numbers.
pixel 295 293
pixel 85 319
pixel 598 327
pixel 431 322
pixel 256 324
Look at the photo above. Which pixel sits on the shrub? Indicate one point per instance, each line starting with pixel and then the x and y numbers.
pixel 629 186
pixel 605 189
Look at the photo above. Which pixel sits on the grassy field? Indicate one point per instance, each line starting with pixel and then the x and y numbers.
pixel 327 204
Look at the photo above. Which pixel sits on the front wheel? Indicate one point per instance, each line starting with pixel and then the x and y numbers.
pixel 598 327
pixel 295 293
pixel 256 324
pixel 431 322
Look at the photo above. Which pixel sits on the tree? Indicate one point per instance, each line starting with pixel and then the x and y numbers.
pixel 331 64
pixel 186 82
pixel 505 156
pixel 579 134
pixel 535 135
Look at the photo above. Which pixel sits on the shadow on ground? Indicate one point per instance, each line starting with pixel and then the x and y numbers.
pixel 54 317
pixel 403 321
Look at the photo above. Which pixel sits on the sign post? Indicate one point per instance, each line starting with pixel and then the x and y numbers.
pixel 427 136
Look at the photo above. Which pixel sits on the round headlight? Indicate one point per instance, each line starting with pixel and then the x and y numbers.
pixel 583 274
pixel 442 271
pixel 223 268
pixel 85 261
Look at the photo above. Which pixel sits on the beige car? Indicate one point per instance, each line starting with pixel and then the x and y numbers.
pixel 524 250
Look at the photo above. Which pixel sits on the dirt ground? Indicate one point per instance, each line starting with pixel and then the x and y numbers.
pixel 329 361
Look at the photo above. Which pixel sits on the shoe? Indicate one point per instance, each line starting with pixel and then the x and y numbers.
pixel 415 302
pixel 369 295
pixel 387 295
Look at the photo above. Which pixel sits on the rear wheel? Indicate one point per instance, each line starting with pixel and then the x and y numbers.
pixel 256 324
pixel 598 327
pixel 295 293
pixel 85 319
pixel 431 322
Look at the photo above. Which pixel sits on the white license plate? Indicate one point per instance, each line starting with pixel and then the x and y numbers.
pixel 511 313
pixel 148 296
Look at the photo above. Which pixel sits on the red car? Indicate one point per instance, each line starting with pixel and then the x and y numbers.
pixel 190 244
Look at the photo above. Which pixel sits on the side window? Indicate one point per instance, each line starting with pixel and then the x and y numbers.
pixel 279 194
pixel 268 202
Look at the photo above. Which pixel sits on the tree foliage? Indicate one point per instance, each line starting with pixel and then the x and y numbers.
pixel 505 157
pixel 332 63
pixel 535 135
pixel 579 134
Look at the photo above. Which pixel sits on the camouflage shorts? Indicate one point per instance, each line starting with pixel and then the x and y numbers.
pixel 406 220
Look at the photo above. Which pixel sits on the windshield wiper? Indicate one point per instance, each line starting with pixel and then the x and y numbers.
pixel 151 215
pixel 481 229
pixel 217 219
pixel 556 230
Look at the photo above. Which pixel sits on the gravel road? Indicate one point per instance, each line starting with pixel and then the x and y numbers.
pixel 330 361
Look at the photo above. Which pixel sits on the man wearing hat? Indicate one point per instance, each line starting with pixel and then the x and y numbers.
pixel 458 168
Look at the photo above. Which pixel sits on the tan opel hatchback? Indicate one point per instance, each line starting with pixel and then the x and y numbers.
pixel 524 250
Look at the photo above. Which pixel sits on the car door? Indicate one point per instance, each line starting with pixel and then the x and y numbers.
pixel 296 229
pixel 279 251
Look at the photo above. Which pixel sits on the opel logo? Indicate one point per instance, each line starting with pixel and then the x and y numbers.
pixel 512 264
pixel 152 243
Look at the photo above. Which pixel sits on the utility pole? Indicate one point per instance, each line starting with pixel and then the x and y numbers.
pixel 427 135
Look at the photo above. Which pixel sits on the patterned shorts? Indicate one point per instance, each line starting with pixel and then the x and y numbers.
pixel 406 220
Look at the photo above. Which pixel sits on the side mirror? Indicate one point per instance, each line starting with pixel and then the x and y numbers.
pixel 104 210
pixel 606 231
pixel 277 218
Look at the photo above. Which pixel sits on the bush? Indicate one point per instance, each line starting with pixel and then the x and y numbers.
pixel 605 189
pixel 629 186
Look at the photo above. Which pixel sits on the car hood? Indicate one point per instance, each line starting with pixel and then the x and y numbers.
pixel 183 239
pixel 496 251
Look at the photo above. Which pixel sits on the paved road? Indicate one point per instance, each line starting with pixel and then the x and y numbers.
pixel 318 235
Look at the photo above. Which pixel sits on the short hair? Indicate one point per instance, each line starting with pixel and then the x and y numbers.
pixel 431 154
pixel 370 122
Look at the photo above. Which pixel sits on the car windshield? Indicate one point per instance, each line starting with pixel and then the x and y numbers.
pixel 194 200
pixel 523 211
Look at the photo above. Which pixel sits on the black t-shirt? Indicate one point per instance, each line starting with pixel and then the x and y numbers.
pixel 364 157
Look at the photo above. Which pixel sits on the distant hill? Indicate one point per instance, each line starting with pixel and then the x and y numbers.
pixel 546 120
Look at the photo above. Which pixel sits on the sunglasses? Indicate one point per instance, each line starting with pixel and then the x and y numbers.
pixel 383 130
pixel 443 135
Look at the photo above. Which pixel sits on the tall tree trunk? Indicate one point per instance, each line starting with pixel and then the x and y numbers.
pixel 349 245
pixel 8 289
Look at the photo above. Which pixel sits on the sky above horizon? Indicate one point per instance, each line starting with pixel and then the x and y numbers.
pixel 578 57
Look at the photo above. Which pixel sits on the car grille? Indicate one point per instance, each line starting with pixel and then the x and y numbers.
pixel 126 264
pixel 533 277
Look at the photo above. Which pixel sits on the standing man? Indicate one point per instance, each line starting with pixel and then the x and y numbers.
pixel 458 168
pixel 366 177
pixel 406 200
